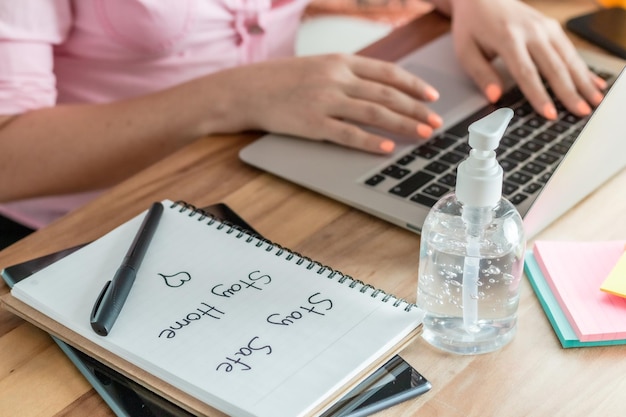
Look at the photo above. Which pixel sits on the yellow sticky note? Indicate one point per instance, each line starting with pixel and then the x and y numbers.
pixel 615 282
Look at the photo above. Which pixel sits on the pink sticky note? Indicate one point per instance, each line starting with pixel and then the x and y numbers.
pixel 575 271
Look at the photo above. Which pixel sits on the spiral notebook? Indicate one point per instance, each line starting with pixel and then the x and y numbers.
pixel 220 319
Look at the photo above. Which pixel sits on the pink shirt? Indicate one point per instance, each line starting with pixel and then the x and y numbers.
pixel 95 51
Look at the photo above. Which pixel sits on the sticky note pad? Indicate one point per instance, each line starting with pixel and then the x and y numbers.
pixel 574 272
pixel 564 331
pixel 615 283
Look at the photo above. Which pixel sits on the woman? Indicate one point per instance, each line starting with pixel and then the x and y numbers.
pixel 91 91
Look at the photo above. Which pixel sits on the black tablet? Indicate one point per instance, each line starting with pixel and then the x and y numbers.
pixel 604 27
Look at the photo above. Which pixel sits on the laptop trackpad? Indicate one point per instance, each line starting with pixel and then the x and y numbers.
pixel 456 92
pixel 437 64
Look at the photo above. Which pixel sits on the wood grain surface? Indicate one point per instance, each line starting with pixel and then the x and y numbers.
pixel 532 376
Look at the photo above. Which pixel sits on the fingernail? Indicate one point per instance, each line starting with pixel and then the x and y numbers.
pixel 424 130
pixel 435 120
pixel 387 146
pixel 430 93
pixel 597 99
pixel 493 92
pixel 600 82
pixel 549 111
pixel 583 108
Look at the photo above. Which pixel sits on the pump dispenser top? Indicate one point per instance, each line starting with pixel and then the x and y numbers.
pixel 479 177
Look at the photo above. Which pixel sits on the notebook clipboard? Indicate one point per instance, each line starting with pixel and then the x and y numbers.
pixel 394 382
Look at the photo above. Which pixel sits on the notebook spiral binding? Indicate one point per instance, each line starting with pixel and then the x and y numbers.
pixel 270 246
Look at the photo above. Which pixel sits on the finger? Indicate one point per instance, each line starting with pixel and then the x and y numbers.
pixel 598 81
pixel 394 76
pixel 522 67
pixel 559 79
pixel 479 69
pixel 589 86
pixel 394 100
pixel 567 74
pixel 585 81
pixel 375 115
pixel 352 136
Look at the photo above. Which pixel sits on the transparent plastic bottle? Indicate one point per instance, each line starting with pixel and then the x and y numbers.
pixel 472 253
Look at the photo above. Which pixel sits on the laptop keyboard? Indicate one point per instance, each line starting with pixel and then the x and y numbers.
pixel 529 152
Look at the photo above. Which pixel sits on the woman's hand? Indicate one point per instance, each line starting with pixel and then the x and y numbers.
pixel 531 46
pixel 328 97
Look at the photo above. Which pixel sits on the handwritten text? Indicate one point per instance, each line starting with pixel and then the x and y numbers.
pixel 255 280
pixel 201 312
pixel 237 363
pixel 316 305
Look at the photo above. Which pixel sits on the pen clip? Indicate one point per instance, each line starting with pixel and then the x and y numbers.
pixel 96 308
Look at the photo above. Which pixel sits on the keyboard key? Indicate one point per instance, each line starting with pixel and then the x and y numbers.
pixel 545 177
pixel 533 188
pixel 515 120
pixel 560 107
pixel 422 199
pixel 448 179
pixel 375 180
pixel 518 156
pixel 519 178
pixel 518 198
pixel 532 146
pixel 405 160
pixel 546 136
pixel 535 122
pixel 533 168
pixel 510 98
pixel 570 118
pixel 463 148
pixel 425 151
pixel 411 184
pixel 546 158
pixel 569 139
pixel 523 110
pixel 395 171
pixel 521 132
pixel 559 149
pixel 452 157
pixel 508 141
pixel 558 128
pixel 508 165
pixel 437 167
pixel 509 188
pixel 443 142
pixel 436 190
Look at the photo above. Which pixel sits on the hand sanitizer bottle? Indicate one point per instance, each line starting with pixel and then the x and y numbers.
pixel 472 253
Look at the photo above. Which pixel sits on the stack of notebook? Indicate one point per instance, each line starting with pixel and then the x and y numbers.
pixel 570 279
pixel 219 318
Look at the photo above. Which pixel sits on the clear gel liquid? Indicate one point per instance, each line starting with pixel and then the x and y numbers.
pixel 440 286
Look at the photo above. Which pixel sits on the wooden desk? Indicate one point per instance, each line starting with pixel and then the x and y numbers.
pixel 533 376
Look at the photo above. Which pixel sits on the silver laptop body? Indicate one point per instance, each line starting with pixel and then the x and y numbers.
pixel 598 151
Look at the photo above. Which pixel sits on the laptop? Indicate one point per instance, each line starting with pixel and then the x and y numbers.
pixel 548 167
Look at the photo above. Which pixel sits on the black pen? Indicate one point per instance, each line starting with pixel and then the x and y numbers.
pixel 114 294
